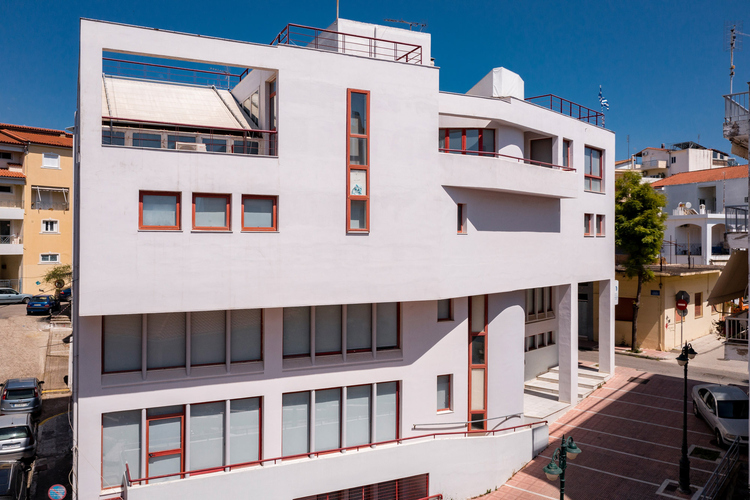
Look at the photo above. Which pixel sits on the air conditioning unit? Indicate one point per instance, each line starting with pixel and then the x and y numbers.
pixel 189 146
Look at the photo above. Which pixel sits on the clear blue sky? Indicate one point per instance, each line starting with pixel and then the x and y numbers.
pixel 662 64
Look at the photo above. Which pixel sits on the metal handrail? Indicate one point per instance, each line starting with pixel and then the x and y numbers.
pixel 721 473
pixel 313 454
pixel 171 77
pixel 538 163
pixel 507 417
pixel 587 116
pixel 175 124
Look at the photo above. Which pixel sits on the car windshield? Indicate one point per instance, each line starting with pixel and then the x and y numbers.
pixel 19 432
pixel 733 409
pixel 14 394
pixel 42 298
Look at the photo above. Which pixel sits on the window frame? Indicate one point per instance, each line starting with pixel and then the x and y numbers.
pixel 349 166
pixel 450 393
pixel 183 439
pixel 274 214
pixel 445 133
pixel 57 226
pixel 567 153
pixel 56 165
pixel 398 328
pixel 178 214
pixel 588 224
pixel 450 310
pixel 461 219
pixel 228 198
pixel 56 261
pixel 599 225
pixel 698 305
pixel 483 366
pixel 588 178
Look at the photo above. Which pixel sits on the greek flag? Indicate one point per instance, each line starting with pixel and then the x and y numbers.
pixel 602 101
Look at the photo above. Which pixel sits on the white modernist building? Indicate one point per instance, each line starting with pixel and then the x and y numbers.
pixel 286 277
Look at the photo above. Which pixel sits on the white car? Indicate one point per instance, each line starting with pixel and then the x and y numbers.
pixel 725 410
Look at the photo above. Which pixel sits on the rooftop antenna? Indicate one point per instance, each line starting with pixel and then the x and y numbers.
pixel 411 24
pixel 732 43
pixel 337 10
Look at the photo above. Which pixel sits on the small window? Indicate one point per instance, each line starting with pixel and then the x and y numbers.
pixel 444 393
pixel 215 145
pixel 49 258
pixel 50 160
pixel 259 213
pixel 172 140
pixel 698 308
pixel 600 225
pixel 566 153
pixel 674 159
pixel 588 229
pixel 550 338
pixel 593 170
pixel 6 156
pixel 530 343
pixel 461 218
pixel 211 212
pixel 113 137
pixel 541 340
pixel 445 310
pixel 6 189
pixel 159 210
pixel 141 140
pixel 50 226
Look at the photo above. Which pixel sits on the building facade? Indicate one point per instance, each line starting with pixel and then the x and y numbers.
pixel 323 253
pixel 36 212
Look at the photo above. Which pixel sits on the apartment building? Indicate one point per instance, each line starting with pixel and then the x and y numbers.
pixel 36 213
pixel 334 271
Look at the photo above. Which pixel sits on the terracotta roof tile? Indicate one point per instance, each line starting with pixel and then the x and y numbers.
pixel 710 175
pixel 12 173
pixel 7 139
pixel 20 134
pixel 15 165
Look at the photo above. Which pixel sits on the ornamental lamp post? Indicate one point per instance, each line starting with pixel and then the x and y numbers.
pixel 683 359
pixel 567 449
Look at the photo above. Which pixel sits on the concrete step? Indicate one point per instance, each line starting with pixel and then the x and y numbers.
pixel 586 373
pixel 553 388
pixel 583 382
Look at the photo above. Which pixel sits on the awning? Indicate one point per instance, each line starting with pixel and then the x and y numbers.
pixel 39 190
pixel 732 282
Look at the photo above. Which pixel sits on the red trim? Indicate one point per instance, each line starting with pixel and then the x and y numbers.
pixel 177 451
pixel 566 154
pixel 590 177
pixel 228 198
pixel 599 225
pixel 349 167
pixel 450 392
pixel 178 216
pixel 274 222
pixel 482 366
pixel 588 228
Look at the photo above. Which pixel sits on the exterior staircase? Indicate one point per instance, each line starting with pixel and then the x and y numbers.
pixel 548 384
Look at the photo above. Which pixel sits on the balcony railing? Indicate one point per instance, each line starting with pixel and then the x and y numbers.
pixel 720 250
pixel 10 240
pixel 499 155
pixel 569 108
pixel 735 219
pixel 346 43
pixel 11 204
pixel 736 329
pixel 682 249
pixel 736 107
pixel 223 80
pixel 130 481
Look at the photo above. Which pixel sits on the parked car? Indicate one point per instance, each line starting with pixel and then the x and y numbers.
pixel 10 296
pixel 17 437
pixel 12 481
pixel 21 395
pixel 65 293
pixel 725 410
pixel 42 303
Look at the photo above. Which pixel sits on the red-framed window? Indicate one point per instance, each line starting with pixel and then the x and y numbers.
pixel 593 170
pixel 588 224
pixel 159 210
pixel 211 212
pixel 259 213
pixel 272 117
pixel 467 141
pixel 358 161
pixel 478 327
pixel 698 308
pixel 461 218
pixel 600 225
pixel 567 147
pixel 444 393
pixel 163 443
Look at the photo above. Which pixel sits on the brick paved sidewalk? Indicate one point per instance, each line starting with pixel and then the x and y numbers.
pixel 630 433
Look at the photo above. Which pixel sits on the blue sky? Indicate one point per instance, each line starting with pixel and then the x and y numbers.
pixel 662 64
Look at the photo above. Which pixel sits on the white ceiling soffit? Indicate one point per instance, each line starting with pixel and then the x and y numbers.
pixel 732 281
pixel 164 102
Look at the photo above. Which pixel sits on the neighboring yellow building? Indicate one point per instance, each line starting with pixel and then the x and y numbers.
pixel 658 323
pixel 36 212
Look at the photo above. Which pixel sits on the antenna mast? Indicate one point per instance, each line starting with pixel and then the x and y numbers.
pixel 411 24
pixel 732 43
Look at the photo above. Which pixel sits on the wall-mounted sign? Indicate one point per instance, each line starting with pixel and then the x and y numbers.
pixel 656 292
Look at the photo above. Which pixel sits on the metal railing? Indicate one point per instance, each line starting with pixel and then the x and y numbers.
pixel 9 283
pixel 720 250
pixel 346 43
pixel 224 80
pixel 491 154
pixel 736 329
pixel 682 249
pixel 10 240
pixel 736 107
pixel 181 136
pixel 735 219
pixel 314 454
pixel 11 203
pixel 569 108
pixel 722 472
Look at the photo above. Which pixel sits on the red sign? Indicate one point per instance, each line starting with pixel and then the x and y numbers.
pixel 682 305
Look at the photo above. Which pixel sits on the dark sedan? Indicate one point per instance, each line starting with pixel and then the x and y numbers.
pixel 42 303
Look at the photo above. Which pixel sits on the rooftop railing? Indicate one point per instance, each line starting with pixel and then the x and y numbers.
pixel 736 107
pixel 346 43
pixel 224 80
pixel 569 108
pixel 736 329
pixel 500 155
pixel 735 219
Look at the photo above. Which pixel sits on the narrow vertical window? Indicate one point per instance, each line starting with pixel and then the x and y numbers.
pixel 121 444
pixel 698 311
pixel 122 343
pixel 207 338
pixel 358 327
pixel 358 415
pixel 600 225
pixel 358 161
pixel 244 430
pixel 327 330
pixel 327 419
pixel 388 330
pixel 461 218
pixel 246 335
pixel 386 423
pixel 295 423
pixel 478 327
pixel 593 172
pixel 207 435
pixel 566 154
pixel 588 229
pixel 443 392
pixel 165 340
pixel 296 332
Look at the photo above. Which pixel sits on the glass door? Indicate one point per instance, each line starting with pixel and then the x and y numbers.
pixel 166 443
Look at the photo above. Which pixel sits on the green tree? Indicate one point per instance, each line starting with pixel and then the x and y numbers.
pixel 639 232
pixel 62 272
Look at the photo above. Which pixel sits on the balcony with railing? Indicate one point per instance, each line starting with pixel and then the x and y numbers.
pixel 568 108
pixel 348 43
pixel 735 219
pixel 12 208
pixel 736 126
pixel 11 244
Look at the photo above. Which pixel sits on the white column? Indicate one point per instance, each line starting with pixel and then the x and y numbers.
pixel 606 327
pixel 567 329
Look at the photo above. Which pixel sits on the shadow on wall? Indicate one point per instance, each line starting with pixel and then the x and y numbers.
pixel 507 212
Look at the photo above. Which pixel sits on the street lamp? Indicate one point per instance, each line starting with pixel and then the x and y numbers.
pixel 567 449
pixel 683 359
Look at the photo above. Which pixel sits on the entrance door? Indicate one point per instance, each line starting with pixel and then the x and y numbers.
pixel 166 441
pixel 586 311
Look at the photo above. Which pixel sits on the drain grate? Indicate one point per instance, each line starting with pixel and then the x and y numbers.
pixel 705 454
pixel 638 380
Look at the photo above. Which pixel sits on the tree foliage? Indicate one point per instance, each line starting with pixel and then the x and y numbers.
pixel 639 231
pixel 62 272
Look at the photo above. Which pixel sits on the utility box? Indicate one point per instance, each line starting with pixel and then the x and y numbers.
pixel 499 82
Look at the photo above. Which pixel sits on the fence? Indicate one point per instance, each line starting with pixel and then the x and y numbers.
pixel 346 43
pixel 736 107
pixel 736 329
pixel 566 107
pixel 735 219
pixel 720 475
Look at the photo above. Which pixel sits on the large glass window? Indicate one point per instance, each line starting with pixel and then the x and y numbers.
pixel 208 338
pixel 166 340
pixel 387 325
pixel 327 329
pixel 593 170
pixel 358 327
pixel 358 161
pixel 467 141
pixel 211 211
pixel 327 419
pixel 159 210
pixel 296 331
pixel 259 213
pixel 172 140
pixel 295 423
pixel 358 415
pixel 247 335
pixel 244 430
pixel 386 418
pixel 121 444
pixel 207 435
pixel 113 137
pixel 143 140
pixel 122 343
